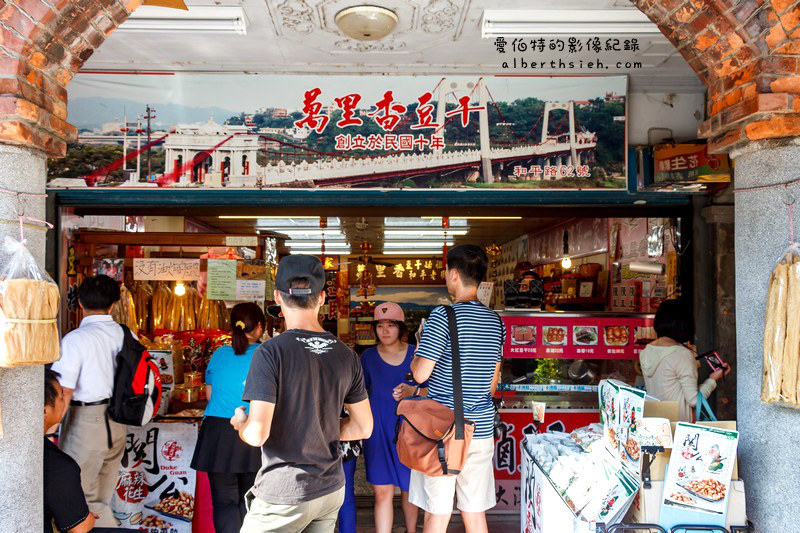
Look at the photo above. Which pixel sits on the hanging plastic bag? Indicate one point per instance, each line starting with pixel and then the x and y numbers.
pixel 781 334
pixel 29 304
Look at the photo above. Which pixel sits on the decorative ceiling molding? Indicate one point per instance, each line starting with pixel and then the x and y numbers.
pixel 352 45
pixel 439 16
pixel 423 24
pixel 296 16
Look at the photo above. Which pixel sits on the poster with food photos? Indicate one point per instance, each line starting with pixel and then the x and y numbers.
pixel 156 485
pixel 621 411
pixel 609 412
pixel 700 469
pixel 630 423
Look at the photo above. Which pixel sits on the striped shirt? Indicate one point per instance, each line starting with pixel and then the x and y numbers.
pixel 481 335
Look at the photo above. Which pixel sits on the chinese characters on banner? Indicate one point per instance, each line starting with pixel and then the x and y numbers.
pixel 689 162
pixel 508 452
pixel 156 486
pixel 166 269
pixel 388 115
pixel 590 337
pixel 414 271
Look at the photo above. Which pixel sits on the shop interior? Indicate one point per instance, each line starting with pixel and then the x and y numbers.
pixel 577 294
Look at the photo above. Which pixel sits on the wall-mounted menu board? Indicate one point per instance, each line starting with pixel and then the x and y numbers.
pixel 576 336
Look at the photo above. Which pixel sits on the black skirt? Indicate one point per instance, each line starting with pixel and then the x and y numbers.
pixel 220 450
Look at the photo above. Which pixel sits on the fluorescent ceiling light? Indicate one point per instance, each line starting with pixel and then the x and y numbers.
pixel 431 222
pixel 478 218
pixel 423 232
pixel 413 252
pixel 417 244
pixel 535 22
pixel 310 232
pixel 198 19
pixel 332 246
pixel 265 217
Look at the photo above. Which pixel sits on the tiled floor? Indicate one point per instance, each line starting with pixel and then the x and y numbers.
pixel 497 523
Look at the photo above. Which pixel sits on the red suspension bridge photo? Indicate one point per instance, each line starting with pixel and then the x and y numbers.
pixel 379 132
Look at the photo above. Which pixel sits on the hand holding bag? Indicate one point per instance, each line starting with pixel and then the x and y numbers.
pixel 431 438
pixel 702 411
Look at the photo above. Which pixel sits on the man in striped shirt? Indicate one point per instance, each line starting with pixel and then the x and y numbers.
pixel 481 335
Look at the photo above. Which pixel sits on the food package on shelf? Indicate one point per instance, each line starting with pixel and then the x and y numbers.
pixel 124 311
pixel 212 314
pixel 781 335
pixel 159 303
pixel 142 295
pixel 29 304
pixel 182 311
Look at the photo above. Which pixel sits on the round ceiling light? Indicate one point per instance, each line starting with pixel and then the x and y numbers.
pixel 366 23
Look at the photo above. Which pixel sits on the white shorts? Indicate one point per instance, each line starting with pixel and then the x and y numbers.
pixel 474 486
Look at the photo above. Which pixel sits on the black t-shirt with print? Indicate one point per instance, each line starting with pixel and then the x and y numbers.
pixel 64 502
pixel 309 376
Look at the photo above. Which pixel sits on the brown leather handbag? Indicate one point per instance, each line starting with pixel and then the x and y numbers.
pixel 432 438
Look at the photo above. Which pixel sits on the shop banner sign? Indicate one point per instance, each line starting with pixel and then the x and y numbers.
pixel 573 337
pixel 690 163
pixel 216 131
pixel 156 486
pixel 699 474
pixel 166 269
pixel 508 451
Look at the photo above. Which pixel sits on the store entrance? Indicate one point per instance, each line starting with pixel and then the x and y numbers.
pixel 576 294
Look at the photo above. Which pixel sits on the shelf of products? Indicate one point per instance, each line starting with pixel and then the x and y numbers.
pixel 555 387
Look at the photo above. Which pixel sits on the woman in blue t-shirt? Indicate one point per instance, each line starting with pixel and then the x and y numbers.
pixel 385 369
pixel 231 464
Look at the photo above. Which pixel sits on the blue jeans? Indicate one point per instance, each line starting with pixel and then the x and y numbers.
pixel 347 514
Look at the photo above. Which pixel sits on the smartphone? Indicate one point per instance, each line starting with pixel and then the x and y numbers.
pixel 713 360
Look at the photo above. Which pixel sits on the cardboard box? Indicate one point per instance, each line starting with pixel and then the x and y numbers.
pixel 659 465
pixel 646 507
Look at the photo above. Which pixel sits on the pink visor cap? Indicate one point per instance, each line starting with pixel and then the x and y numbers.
pixel 389 311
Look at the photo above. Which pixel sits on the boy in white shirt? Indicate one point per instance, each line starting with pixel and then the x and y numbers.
pixel 87 365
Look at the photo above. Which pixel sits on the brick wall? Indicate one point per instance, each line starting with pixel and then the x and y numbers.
pixel 43 44
pixel 747 53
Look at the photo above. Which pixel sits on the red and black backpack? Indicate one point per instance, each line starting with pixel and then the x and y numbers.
pixel 137 384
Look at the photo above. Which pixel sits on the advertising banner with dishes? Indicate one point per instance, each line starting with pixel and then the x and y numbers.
pixel 576 337
pixel 700 470
pixel 156 486
pixel 621 412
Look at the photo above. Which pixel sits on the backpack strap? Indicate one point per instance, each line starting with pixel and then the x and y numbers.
pixel 458 393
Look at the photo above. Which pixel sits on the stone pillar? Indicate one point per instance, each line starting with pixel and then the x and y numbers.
pixel 22 389
pixel 769 433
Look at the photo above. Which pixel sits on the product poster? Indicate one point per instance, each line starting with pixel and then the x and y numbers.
pixel 156 486
pixel 700 469
pixel 631 413
pixel 609 412
pixel 621 411
pixel 113 268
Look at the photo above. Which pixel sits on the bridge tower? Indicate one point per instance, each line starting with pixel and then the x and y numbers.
pixel 569 107
pixel 448 86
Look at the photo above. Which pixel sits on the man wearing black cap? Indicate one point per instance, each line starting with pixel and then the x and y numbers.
pixel 297 385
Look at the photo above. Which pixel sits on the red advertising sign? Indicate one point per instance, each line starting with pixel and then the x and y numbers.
pixel 570 336
pixel 508 451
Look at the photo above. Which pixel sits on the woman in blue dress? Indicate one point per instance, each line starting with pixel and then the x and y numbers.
pixel 385 369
